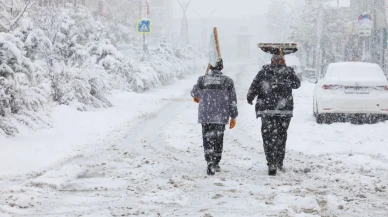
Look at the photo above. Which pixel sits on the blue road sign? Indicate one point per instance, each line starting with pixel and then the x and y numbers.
pixel 144 26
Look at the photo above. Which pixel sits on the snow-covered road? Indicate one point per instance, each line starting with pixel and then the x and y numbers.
pixel 153 165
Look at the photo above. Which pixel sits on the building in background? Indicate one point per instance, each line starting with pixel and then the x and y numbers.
pixel 373 48
pixel 161 15
pixel 244 43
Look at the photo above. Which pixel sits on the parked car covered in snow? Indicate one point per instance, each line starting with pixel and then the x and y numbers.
pixel 352 90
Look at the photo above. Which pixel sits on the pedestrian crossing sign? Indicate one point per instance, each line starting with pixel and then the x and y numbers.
pixel 144 26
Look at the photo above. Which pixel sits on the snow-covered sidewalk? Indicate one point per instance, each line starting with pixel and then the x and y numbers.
pixel 73 132
pixel 145 158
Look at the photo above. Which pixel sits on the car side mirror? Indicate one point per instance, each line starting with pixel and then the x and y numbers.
pixel 313 80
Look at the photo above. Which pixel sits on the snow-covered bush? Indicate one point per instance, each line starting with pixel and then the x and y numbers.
pixel 87 27
pixel 22 88
pixel 66 56
pixel 47 19
pixel 36 44
pixel 76 78
pixel 82 88
pixel 103 53
pixel 163 65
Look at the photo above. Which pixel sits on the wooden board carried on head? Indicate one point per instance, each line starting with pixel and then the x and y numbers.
pixel 215 31
pixel 214 50
pixel 278 48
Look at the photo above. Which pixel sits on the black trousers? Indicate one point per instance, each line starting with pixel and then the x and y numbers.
pixel 274 132
pixel 213 141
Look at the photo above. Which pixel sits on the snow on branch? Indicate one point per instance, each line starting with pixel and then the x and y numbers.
pixel 9 20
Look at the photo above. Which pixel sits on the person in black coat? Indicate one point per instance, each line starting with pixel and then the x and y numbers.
pixel 273 87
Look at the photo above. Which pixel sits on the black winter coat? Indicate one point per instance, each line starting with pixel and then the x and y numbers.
pixel 273 88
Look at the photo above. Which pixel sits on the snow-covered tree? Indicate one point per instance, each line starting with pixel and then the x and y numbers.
pixel 11 11
pixel 304 31
pixel 87 27
pixel 47 19
pixel 307 31
pixel 35 41
pixel 279 21
pixel 76 78
pixel 66 56
pixel 105 54
pixel 21 94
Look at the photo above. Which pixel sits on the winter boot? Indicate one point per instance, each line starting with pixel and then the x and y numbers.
pixel 217 167
pixel 211 169
pixel 281 168
pixel 272 170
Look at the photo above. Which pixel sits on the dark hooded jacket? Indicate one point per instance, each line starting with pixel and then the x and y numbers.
pixel 273 88
pixel 218 100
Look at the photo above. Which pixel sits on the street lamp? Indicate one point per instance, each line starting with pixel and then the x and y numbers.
pixel 292 9
pixel 185 28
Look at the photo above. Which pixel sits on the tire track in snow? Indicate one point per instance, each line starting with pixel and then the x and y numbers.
pixel 157 166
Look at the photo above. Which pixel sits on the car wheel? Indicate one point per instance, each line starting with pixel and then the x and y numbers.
pixel 357 120
pixel 320 118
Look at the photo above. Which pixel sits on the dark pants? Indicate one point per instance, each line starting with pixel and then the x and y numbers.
pixel 274 132
pixel 213 141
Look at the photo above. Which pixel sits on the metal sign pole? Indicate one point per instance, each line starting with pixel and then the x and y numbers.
pixel 144 17
pixel 144 43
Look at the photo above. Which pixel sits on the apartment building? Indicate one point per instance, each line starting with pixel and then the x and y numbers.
pixel 161 14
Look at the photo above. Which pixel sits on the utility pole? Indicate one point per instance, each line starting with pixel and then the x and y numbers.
pixel 185 25
pixel 318 52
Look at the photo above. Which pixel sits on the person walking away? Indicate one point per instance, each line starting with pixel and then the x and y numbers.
pixel 217 100
pixel 273 87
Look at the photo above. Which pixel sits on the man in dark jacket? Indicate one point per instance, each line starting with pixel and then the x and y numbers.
pixel 217 100
pixel 275 104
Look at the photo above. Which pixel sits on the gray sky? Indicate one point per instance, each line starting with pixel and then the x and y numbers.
pixel 227 8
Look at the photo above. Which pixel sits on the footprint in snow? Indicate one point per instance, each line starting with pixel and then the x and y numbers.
pixel 217 196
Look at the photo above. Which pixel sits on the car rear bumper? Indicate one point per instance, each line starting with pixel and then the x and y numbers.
pixel 354 111
pixel 353 104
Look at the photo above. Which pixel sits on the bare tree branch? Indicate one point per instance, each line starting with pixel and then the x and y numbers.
pixel 10 22
pixel 17 18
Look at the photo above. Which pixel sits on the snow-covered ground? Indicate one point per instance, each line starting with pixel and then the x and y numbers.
pixel 144 157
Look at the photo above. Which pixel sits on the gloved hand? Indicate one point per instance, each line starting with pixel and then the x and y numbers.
pixel 232 123
pixel 196 99
pixel 250 103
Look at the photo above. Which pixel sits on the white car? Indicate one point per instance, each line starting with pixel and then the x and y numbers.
pixel 350 90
